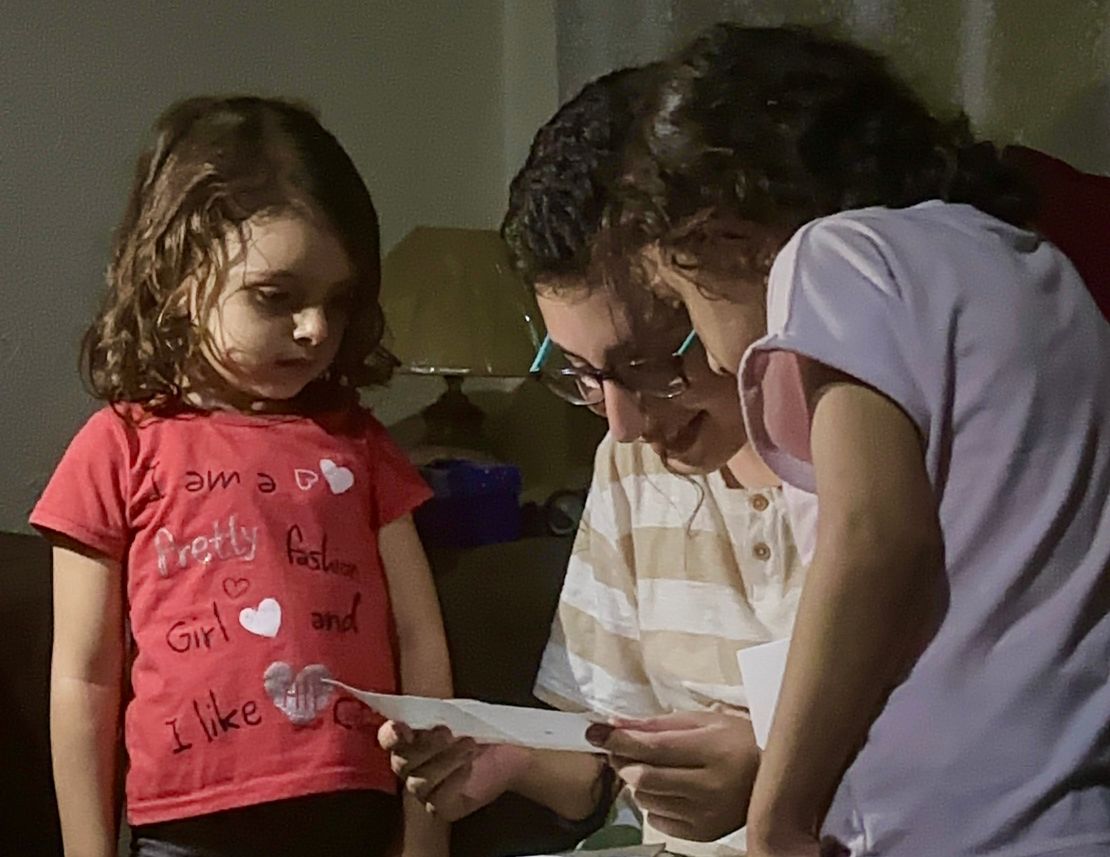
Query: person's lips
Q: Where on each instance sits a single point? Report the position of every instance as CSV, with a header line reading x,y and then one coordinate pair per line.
x,y
680,441
294,362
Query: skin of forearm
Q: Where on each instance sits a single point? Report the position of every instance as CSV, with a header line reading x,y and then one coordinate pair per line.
x,y
84,726
566,783
425,671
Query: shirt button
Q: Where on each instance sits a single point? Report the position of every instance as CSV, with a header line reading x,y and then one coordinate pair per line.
x,y
761,551
760,503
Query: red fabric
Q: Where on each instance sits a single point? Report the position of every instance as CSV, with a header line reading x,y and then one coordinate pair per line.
x,y
252,565
1074,215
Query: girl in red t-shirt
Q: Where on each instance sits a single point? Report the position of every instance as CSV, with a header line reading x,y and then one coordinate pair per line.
x,y
237,512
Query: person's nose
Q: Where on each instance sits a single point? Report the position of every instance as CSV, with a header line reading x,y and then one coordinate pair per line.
x,y
622,410
310,326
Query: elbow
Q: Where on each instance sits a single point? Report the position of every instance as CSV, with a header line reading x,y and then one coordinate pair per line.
x,y
871,538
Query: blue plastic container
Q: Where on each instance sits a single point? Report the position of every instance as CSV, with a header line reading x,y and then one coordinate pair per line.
x,y
475,503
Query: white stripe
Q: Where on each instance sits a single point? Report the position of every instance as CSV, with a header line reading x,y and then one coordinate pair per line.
x,y
697,607
566,675
607,604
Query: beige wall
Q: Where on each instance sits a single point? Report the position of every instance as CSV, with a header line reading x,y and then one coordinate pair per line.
x,y
1030,71
416,89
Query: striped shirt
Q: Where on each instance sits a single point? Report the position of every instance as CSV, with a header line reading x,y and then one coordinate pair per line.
x,y
669,578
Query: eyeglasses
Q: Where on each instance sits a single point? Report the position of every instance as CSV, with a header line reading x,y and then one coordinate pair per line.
x,y
655,377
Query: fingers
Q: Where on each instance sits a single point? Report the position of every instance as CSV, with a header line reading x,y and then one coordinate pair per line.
x,y
432,754
685,748
391,734
423,780
689,784
674,721
674,826
448,799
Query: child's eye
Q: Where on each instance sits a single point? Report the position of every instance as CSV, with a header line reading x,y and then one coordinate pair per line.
x,y
271,297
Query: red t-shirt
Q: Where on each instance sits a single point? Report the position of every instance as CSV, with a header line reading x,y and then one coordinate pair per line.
x,y
250,550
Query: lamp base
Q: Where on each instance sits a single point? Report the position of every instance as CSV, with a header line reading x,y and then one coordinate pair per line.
x,y
453,420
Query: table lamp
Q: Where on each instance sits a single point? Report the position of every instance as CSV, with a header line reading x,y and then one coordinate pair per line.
x,y
454,307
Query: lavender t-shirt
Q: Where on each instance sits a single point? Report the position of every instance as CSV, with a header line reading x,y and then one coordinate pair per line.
x,y
998,741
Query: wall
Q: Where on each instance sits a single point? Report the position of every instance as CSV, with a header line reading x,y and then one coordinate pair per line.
x,y
417,91
1029,71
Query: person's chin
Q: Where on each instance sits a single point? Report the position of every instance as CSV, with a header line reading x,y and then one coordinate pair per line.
x,y
685,466
277,391
684,449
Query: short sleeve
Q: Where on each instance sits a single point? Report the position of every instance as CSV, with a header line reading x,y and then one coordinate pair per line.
x,y
88,496
593,660
833,300
398,487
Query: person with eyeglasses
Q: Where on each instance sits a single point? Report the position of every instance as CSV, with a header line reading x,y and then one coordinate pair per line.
x,y
684,555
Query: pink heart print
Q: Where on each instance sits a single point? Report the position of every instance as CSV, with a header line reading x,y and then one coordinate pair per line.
x,y
300,696
236,586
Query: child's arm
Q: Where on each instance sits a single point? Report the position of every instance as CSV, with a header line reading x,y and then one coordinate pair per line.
x,y
85,680
863,609
425,669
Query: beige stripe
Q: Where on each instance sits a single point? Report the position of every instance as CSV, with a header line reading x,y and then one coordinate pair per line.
x,y
671,553
625,458
702,658
610,565
549,697
587,639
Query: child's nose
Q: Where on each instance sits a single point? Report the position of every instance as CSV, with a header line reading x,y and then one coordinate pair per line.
x,y
310,326
622,410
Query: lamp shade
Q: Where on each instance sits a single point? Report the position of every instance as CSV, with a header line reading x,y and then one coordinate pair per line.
x,y
454,306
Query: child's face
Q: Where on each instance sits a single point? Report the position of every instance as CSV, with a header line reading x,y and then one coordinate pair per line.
x,y
281,308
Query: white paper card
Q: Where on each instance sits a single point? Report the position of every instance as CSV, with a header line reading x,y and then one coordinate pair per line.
x,y
761,669
485,722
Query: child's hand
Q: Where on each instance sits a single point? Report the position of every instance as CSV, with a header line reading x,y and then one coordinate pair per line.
x,y
451,776
690,772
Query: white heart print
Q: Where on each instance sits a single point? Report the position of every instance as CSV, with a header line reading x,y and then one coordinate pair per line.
x,y
339,478
264,620
299,697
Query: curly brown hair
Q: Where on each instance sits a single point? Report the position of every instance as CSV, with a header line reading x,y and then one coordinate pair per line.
x,y
751,132
557,199
217,162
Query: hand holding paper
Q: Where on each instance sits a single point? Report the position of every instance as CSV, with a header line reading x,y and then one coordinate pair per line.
x,y
482,721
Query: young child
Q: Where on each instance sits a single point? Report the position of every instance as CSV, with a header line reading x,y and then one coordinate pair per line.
x,y
940,377
239,511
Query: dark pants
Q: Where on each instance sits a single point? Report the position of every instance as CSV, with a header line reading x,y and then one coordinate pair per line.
x,y
343,824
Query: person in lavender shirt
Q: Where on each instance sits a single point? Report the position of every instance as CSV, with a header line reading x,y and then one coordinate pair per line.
x,y
940,377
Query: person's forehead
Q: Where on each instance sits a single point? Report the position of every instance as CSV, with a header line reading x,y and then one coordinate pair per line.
x,y
595,325
583,321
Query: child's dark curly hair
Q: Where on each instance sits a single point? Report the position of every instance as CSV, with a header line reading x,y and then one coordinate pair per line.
x,y
759,130
557,198
215,164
